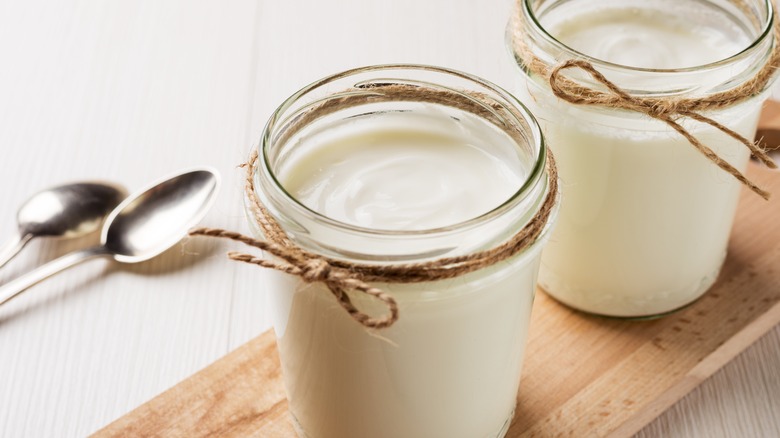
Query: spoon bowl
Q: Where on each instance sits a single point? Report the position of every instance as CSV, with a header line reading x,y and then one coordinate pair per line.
x,y
141,227
147,224
66,211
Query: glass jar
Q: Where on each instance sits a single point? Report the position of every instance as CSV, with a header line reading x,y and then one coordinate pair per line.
x,y
450,365
646,218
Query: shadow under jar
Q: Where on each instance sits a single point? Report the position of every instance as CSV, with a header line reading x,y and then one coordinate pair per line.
x,y
646,218
391,165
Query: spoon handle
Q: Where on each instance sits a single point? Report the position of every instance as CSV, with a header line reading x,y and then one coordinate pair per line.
x,y
12,247
19,285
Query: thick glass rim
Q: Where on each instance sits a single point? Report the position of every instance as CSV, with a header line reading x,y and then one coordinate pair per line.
x,y
535,135
528,11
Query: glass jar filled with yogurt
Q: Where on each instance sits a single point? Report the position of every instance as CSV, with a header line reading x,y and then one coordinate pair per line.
x,y
391,166
645,218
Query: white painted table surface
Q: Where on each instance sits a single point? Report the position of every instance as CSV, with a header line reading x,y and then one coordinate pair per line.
x,y
130,91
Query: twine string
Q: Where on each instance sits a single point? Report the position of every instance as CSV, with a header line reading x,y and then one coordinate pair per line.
x,y
667,110
341,276
311,270
663,113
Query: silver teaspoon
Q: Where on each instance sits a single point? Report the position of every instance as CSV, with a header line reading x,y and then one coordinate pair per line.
x,y
141,227
70,210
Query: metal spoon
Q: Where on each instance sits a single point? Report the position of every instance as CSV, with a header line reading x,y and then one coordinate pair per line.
x,y
141,227
70,210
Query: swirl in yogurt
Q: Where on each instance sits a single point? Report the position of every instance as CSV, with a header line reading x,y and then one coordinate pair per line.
x,y
408,177
643,38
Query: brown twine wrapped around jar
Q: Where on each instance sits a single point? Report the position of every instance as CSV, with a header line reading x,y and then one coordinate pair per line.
x,y
665,109
341,276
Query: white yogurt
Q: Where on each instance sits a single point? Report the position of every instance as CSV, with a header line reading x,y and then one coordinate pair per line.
x,y
645,218
450,366
645,38
401,179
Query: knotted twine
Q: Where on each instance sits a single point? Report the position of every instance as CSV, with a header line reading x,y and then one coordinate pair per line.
x,y
666,109
341,276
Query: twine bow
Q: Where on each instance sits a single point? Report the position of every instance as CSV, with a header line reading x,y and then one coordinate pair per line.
x,y
663,110
311,269
667,110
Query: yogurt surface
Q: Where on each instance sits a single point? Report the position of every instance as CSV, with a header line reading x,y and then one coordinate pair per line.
x,y
645,38
408,177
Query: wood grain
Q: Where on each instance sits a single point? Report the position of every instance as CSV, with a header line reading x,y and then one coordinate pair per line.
x,y
238,396
583,375
768,135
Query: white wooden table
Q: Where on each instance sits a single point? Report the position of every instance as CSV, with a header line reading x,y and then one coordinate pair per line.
x,y
130,91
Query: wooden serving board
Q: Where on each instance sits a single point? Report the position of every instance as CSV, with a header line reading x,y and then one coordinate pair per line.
x,y
583,375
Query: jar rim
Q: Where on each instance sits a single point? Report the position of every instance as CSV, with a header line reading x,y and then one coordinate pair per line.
x,y
527,7
536,141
